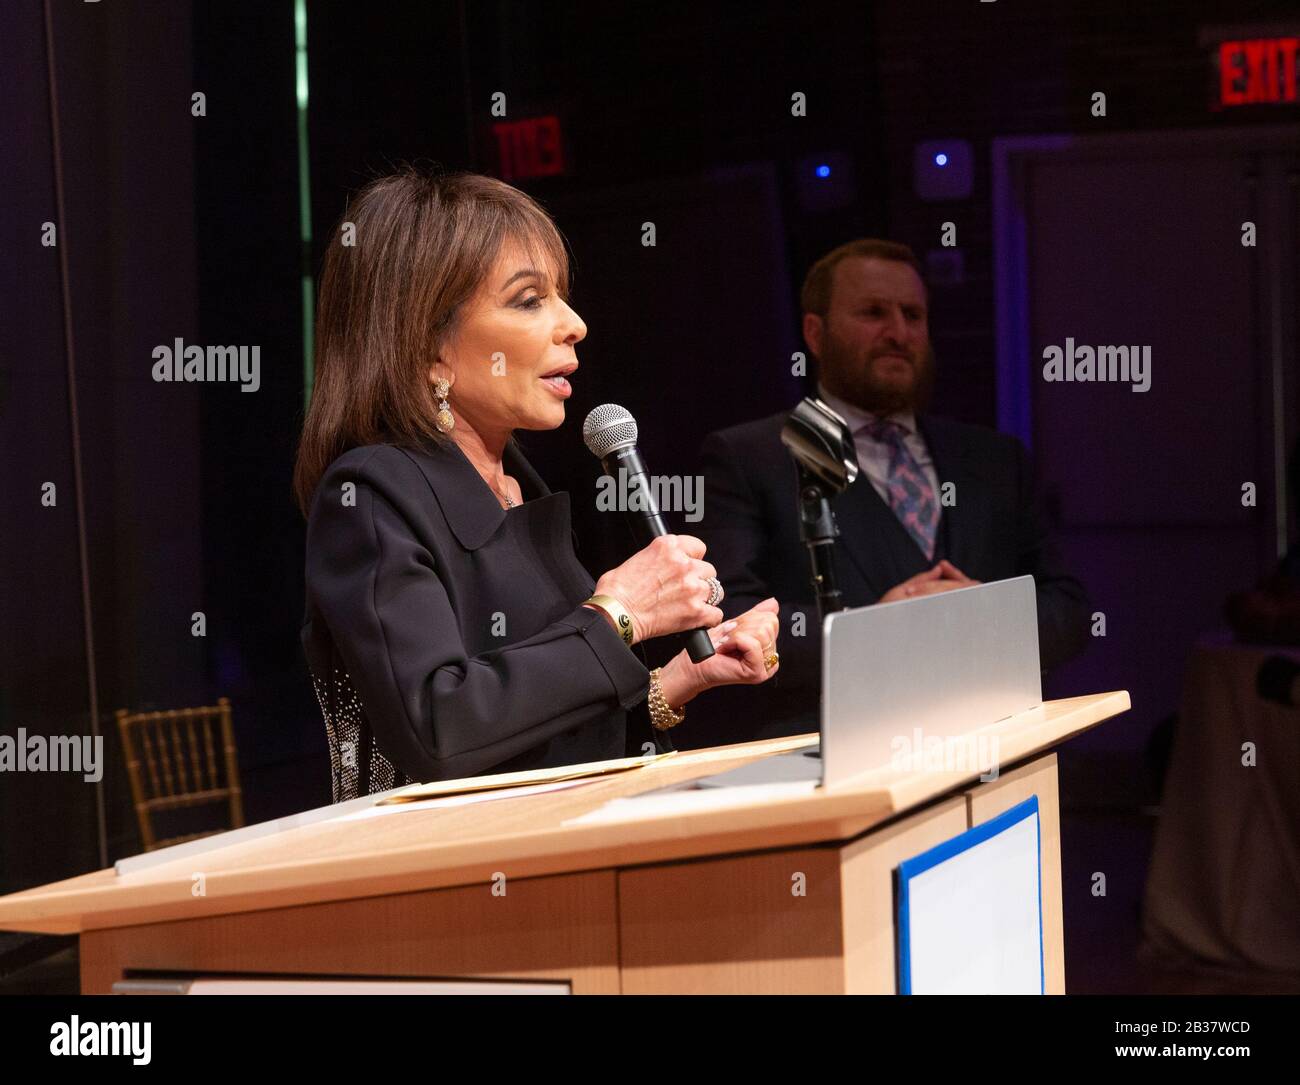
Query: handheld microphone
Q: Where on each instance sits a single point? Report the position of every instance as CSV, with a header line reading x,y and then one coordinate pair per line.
x,y
610,434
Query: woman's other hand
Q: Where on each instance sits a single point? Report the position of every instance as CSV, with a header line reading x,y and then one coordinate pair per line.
x,y
741,648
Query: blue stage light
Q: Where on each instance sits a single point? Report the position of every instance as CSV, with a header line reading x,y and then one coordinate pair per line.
x,y
941,159
823,171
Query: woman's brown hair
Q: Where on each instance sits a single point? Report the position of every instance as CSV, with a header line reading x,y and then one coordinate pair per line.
x,y
420,245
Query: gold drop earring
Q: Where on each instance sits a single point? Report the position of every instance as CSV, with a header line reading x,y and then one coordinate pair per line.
x,y
444,419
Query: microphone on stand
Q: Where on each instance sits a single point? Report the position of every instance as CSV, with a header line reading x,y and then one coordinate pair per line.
x,y
822,447
610,434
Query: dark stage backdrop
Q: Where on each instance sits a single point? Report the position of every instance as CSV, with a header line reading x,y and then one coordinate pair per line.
x,y
128,235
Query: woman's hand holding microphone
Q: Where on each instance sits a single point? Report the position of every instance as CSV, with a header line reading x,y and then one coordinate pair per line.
x,y
665,589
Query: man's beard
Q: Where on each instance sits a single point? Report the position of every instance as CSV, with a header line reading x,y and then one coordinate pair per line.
x,y
844,376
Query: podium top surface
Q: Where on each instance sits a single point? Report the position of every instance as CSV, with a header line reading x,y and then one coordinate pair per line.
x,y
413,847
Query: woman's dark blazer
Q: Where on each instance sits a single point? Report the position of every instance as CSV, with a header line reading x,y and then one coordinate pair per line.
x,y
445,634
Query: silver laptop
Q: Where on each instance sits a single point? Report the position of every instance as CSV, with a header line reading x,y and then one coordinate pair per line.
x,y
935,667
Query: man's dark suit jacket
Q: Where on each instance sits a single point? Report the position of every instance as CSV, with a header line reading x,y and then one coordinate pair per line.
x,y
445,634
750,525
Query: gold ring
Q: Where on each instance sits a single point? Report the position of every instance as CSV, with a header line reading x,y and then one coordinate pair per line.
x,y
771,659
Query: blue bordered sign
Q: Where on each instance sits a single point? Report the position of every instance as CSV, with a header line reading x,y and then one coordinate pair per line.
x,y
971,909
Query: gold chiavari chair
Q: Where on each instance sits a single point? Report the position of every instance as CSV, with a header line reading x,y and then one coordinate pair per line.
x,y
174,762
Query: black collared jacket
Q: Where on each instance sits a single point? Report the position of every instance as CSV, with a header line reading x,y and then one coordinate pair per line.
x,y
445,635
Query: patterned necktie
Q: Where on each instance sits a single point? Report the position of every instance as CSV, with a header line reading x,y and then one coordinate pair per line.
x,y
911,497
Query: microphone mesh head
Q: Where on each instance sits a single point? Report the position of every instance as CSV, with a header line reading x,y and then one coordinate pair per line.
x,y
609,427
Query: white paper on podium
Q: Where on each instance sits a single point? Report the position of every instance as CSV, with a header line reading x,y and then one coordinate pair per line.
x,y
467,799
970,917
686,799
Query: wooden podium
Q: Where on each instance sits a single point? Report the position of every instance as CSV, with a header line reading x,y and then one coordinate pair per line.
x,y
669,902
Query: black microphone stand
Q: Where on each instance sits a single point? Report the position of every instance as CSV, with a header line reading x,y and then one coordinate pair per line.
x,y
818,530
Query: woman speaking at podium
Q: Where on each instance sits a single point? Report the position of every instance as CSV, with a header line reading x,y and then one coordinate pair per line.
x,y
450,628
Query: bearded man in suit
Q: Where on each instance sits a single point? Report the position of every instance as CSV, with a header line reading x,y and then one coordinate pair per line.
x,y
937,504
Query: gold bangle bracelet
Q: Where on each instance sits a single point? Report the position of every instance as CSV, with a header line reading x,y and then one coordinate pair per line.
x,y
662,716
617,612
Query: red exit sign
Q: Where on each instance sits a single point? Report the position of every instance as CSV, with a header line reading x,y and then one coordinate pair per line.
x,y
1261,71
531,147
